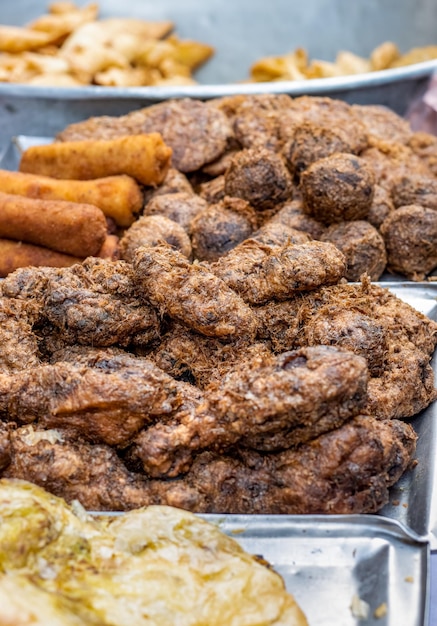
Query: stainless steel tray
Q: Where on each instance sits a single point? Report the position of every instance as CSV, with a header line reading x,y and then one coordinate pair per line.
x,y
340,568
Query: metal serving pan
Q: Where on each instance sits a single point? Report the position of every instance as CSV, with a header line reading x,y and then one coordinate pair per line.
x,y
241,32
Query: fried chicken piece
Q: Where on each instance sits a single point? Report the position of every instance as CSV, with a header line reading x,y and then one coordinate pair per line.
x,y
260,177
258,272
362,245
151,230
108,402
383,123
381,207
181,207
410,237
174,182
415,189
91,474
271,402
405,387
337,188
197,134
95,303
18,344
212,191
312,141
291,214
192,294
220,227
348,470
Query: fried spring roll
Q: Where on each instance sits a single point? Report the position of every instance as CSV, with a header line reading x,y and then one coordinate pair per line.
x,y
119,197
15,254
144,157
68,227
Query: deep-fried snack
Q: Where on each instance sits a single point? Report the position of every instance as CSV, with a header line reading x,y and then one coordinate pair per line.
x,y
220,165
75,229
191,294
119,197
362,245
337,188
257,120
174,182
270,403
96,303
18,344
144,157
150,230
213,190
277,234
220,227
410,236
179,206
259,272
110,249
17,39
383,123
415,189
259,176
382,206
424,145
197,134
292,215
15,254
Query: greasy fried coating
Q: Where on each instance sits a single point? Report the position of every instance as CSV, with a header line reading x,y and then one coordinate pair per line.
x,y
424,145
106,403
271,403
276,234
150,230
337,188
348,470
220,227
15,255
410,236
292,215
191,294
256,121
95,303
383,123
27,283
260,177
259,272
405,387
362,245
212,191
197,134
312,142
179,206
68,227
381,207
91,474
18,344
145,157
119,197
415,189
174,182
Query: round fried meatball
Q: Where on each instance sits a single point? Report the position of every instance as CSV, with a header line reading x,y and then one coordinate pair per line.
x,y
151,230
277,234
292,215
362,245
220,227
338,188
349,330
260,177
312,142
174,182
381,208
213,190
180,207
410,236
415,189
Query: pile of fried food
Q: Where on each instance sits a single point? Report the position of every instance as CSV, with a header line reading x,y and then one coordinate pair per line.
x,y
157,565
70,47
224,363
297,65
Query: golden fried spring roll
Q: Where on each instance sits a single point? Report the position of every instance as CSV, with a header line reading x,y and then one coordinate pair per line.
x,y
144,157
68,227
15,254
119,197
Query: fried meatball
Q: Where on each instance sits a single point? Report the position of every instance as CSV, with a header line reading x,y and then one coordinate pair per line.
x,y
213,190
383,123
174,182
220,227
277,234
180,207
424,146
260,177
362,245
382,206
150,230
338,188
257,121
291,214
415,189
410,236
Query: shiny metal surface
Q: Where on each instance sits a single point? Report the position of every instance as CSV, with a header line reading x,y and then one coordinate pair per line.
x,y
241,33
